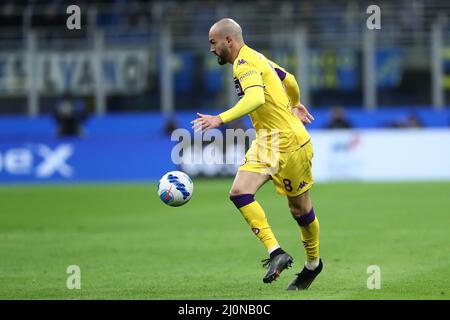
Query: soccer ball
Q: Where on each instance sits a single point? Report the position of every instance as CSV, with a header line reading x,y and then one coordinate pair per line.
x,y
175,188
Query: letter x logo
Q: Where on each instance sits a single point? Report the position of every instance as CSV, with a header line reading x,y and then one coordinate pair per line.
x,y
54,161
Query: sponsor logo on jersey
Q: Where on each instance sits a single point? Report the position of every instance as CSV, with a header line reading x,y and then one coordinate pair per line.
x,y
248,73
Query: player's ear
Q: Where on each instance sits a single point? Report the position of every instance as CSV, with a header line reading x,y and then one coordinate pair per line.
x,y
229,40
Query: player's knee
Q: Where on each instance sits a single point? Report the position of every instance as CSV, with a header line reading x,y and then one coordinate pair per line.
x,y
294,211
298,210
235,192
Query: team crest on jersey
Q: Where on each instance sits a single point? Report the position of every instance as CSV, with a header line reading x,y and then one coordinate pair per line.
x,y
241,61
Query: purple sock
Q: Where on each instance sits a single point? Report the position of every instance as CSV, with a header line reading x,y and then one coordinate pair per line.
x,y
241,200
305,219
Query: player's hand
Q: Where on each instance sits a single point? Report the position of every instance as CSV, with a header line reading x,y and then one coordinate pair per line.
x,y
205,122
302,113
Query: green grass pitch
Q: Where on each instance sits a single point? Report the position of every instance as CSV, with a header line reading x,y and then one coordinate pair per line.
x,y
129,245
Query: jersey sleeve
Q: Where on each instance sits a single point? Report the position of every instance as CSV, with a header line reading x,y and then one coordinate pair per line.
x,y
253,99
281,72
250,89
248,75
290,83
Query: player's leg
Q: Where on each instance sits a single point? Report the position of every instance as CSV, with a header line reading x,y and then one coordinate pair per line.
x,y
295,180
242,193
303,212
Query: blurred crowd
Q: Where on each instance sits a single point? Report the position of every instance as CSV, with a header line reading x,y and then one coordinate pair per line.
x,y
322,16
338,119
262,17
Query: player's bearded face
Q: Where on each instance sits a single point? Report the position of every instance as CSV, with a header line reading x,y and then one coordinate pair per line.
x,y
222,55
